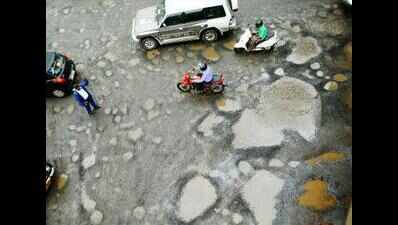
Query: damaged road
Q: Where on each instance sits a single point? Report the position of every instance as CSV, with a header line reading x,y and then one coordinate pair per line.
x,y
267,152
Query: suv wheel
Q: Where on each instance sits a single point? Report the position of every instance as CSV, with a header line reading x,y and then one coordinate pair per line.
x,y
210,35
59,93
149,43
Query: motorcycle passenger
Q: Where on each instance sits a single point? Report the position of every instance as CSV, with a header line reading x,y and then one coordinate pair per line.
x,y
205,76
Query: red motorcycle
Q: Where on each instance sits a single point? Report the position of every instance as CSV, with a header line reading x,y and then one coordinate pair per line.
x,y
187,84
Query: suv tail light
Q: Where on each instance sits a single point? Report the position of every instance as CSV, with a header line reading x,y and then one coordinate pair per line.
x,y
234,5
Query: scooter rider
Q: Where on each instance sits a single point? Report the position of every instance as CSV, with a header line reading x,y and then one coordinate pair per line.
x,y
260,35
205,76
262,31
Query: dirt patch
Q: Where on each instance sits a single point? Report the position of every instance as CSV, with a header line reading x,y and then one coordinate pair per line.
x,y
326,157
220,102
340,77
210,54
348,52
229,45
347,99
150,55
197,46
316,196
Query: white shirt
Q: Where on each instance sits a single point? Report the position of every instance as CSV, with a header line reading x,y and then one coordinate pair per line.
x,y
207,76
82,93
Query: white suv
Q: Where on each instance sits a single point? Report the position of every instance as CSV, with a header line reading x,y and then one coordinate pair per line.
x,y
174,21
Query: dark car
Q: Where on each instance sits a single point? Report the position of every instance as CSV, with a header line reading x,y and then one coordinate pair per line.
x,y
50,170
60,75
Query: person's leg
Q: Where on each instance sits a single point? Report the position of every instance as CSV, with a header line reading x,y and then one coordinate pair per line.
x,y
206,85
252,42
259,41
92,102
198,87
201,86
88,108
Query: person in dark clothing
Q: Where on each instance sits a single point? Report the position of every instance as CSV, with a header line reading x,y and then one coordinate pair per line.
x,y
84,97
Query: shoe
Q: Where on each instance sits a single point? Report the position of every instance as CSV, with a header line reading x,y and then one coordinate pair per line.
x,y
91,113
98,107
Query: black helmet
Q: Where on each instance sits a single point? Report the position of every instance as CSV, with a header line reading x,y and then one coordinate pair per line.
x,y
259,23
202,66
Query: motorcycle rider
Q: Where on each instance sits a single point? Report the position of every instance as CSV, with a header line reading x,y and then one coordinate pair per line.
x,y
205,76
260,35
262,30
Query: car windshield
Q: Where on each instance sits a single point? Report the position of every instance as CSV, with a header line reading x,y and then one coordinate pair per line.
x,y
160,11
50,57
57,66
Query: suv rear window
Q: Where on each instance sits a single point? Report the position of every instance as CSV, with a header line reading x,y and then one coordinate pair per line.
x,y
214,12
193,16
173,20
207,13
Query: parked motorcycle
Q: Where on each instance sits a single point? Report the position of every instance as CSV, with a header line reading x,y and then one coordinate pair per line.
x,y
187,85
241,45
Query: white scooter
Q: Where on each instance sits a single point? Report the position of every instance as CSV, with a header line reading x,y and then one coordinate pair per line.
x,y
266,45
